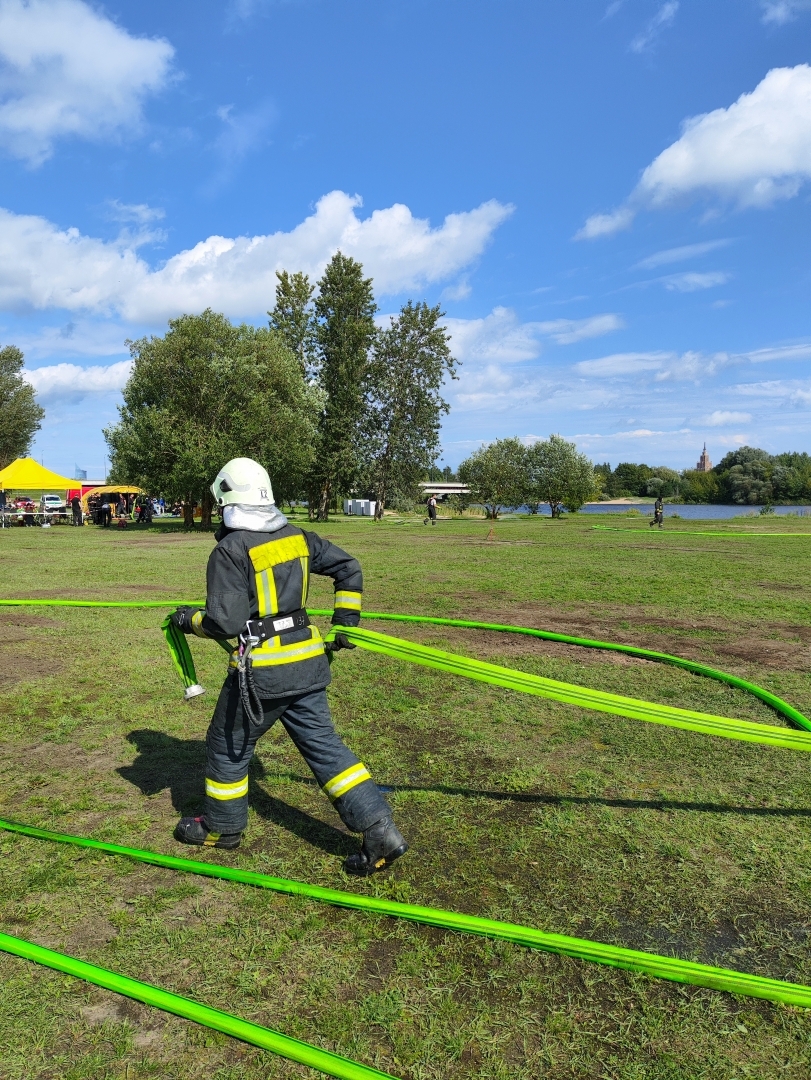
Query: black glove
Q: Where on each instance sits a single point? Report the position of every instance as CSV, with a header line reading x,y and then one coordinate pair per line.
x,y
182,618
340,641
345,617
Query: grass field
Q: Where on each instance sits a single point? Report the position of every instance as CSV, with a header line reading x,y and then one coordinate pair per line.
x,y
515,808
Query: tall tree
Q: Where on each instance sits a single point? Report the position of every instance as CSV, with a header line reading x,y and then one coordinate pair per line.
x,y
496,475
206,392
409,364
345,310
559,475
294,318
20,415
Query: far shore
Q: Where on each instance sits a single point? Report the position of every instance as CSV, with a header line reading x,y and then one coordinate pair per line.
x,y
620,502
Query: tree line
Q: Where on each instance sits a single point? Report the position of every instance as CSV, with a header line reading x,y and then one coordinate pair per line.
x,y
328,401
747,476
508,473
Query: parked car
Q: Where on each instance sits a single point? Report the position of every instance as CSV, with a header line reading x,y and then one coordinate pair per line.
x,y
51,504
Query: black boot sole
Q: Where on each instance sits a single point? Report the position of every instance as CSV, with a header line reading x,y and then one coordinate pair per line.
x,y
367,869
223,843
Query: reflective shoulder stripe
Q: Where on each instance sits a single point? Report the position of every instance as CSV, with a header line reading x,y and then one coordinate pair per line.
x,y
217,790
346,599
345,781
197,624
274,552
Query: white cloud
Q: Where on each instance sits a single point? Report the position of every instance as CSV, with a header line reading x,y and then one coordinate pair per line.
x,y
691,281
501,338
792,391
665,366
752,153
637,433
59,380
460,291
67,70
783,352
679,254
661,21
755,151
783,11
138,213
623,364
42,266
605,224
721,418
497,338
568,331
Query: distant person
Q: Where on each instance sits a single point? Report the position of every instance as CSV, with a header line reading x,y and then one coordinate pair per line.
x,y
431,511
106,512
161,505
76,507
658,512
144,513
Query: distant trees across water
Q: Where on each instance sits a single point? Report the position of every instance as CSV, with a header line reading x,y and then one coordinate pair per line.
x,y
746,476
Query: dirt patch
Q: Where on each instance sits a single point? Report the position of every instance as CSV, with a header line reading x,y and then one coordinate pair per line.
x,y
749,644
22,664
14,617
767,653
91,933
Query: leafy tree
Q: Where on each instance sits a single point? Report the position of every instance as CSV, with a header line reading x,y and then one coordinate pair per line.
x,y
700,487
559,475
20,415
345,310
293,317
206,392
443,475
404,379
496,475
628,479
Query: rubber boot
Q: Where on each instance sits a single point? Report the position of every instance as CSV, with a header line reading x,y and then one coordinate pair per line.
x,y
195,830
382,844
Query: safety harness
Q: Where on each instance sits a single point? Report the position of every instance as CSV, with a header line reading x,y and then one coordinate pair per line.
x,y
256,631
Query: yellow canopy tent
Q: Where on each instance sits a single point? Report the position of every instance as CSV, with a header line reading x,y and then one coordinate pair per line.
x,y
110,489
25,474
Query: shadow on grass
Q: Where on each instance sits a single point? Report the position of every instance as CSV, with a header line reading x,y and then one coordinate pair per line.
x,y
178,764
580,800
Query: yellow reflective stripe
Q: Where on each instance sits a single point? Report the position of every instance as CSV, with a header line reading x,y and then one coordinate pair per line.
x,y
226,791
302,652
305,578
345,781
266,593
278,551
197,624
348,599
271,653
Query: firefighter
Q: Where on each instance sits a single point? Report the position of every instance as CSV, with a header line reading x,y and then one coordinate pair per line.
x,y
658,512
256,590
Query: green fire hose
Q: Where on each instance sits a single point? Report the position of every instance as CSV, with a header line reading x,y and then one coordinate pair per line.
x,y
510,679
697,532
663,967
648,963
293,1049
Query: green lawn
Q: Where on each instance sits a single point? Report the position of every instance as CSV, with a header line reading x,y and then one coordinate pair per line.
x,y
515,807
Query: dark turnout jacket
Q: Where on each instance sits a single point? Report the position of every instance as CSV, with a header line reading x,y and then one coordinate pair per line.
x,y
254,574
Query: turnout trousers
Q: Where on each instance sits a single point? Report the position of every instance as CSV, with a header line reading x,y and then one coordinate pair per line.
x,y
231,741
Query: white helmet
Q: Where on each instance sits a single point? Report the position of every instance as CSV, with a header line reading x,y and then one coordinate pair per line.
x,y
242,481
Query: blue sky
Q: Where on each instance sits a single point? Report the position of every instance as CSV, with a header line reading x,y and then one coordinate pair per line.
x,y
610,200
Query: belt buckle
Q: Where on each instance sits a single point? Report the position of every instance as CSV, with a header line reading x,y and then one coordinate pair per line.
x,y
253,633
